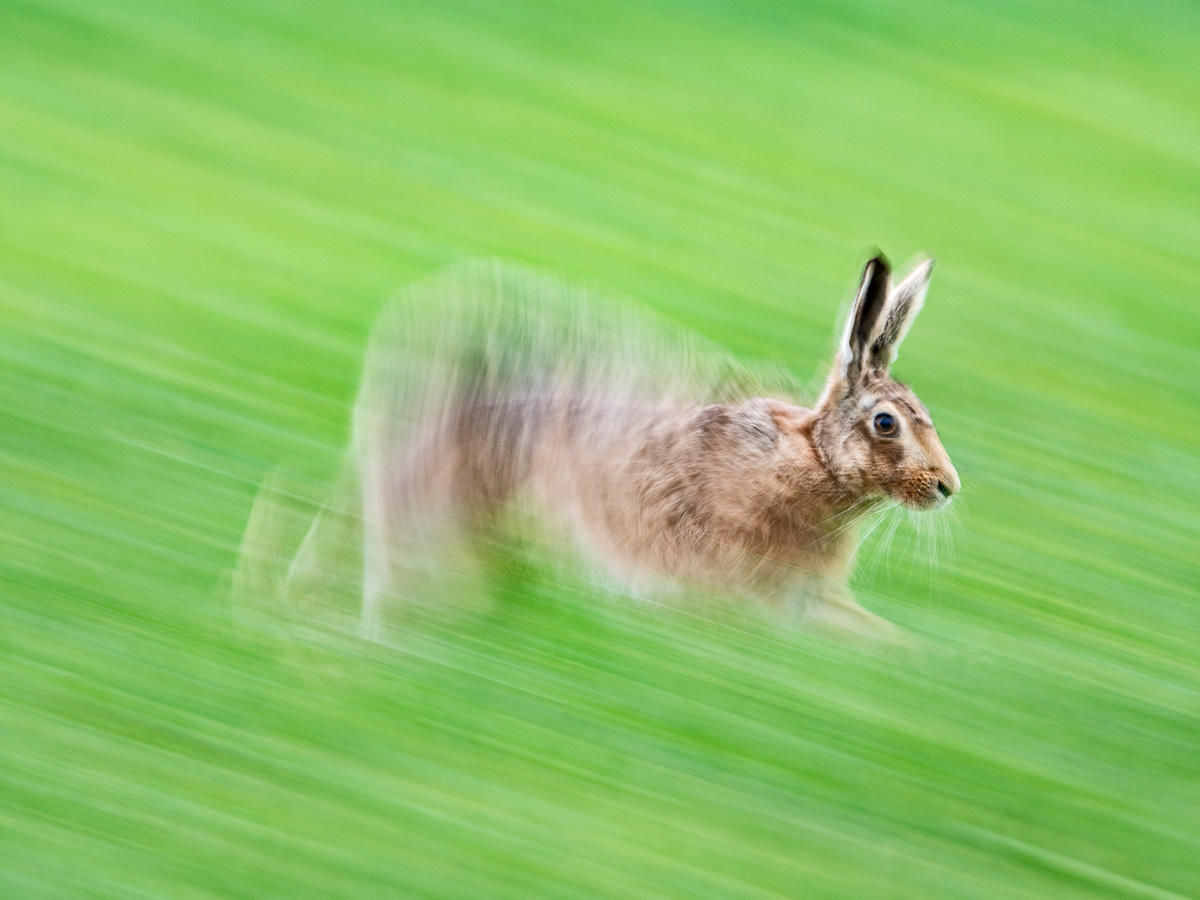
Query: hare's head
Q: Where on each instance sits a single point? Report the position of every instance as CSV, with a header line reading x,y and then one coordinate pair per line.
x,y
873,434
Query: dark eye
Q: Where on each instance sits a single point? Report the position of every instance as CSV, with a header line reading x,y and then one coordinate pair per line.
x,y
885,423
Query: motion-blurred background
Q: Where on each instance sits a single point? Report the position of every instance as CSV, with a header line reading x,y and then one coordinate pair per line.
x,y
203,206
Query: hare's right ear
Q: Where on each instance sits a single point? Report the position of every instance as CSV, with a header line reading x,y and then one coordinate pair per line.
x,y
903,304
853,356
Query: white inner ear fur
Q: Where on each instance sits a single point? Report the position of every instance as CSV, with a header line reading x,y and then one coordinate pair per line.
x,y
876,269
904,302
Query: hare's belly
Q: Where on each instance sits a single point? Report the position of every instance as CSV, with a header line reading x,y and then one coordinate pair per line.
x,y
649,551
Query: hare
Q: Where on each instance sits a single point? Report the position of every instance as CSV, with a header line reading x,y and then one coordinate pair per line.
x,y
747,495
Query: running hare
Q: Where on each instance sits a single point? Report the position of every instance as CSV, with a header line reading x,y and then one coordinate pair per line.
x,y
668,472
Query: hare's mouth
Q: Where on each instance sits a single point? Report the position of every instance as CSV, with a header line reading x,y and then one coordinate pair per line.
x,y
926,504
925,497
941,497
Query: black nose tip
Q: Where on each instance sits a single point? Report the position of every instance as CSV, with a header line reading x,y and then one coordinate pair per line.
x,y
944,489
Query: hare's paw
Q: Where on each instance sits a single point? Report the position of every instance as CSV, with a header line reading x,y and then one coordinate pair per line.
x,y
844,620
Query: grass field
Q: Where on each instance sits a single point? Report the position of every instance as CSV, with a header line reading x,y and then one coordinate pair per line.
x,y
205,204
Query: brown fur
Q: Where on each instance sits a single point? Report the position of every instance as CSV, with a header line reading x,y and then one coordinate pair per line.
x,y
755,497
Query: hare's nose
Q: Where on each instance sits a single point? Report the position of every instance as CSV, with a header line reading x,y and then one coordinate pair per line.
x,y
948,483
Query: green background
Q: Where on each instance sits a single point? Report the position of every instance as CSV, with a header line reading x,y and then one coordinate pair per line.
x,y
202,208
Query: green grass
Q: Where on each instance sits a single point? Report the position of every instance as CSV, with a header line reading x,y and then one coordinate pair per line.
x,y
205,205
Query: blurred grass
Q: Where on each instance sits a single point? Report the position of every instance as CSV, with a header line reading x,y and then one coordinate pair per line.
x,y
204,206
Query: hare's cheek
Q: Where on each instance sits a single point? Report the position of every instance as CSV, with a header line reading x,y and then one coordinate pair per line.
x,y
886,465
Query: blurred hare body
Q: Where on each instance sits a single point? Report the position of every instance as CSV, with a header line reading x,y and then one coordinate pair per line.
x,y
751,496
719,495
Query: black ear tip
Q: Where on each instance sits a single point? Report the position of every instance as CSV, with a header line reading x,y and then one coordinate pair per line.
x,y
879,262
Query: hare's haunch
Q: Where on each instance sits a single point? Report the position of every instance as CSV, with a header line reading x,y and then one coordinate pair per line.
x,y
490,385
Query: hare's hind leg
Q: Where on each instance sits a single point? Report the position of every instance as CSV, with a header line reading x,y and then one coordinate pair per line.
x,y
375,578
376,563
377,496
411,516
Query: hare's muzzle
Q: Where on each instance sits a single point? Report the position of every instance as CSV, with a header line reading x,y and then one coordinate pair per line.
x,y
947,485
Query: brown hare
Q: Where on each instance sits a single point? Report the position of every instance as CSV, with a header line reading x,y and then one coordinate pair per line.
x,y
667,472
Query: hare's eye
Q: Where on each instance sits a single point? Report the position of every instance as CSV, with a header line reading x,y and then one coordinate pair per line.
x,y
885,423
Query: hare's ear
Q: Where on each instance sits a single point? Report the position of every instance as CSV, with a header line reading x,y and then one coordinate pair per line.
x,y
869,303
903,303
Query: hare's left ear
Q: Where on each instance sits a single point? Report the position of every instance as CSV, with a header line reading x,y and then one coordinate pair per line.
x,y
903,303
869,304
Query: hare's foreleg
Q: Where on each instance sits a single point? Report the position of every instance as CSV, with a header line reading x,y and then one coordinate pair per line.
x,y
833,610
